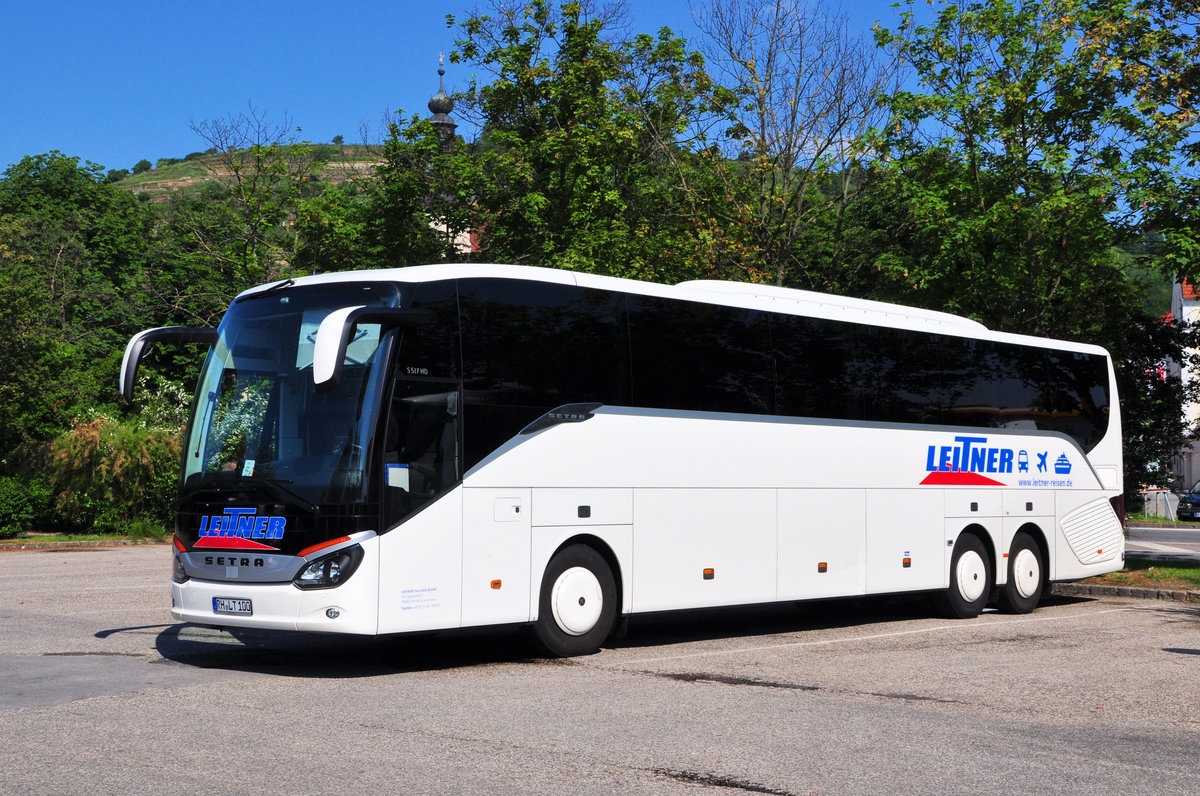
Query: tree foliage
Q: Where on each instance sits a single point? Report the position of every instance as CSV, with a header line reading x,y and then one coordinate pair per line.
x,y
581,161
1033,152
1039,160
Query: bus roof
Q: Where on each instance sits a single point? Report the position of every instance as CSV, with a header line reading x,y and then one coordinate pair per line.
x,y
768,298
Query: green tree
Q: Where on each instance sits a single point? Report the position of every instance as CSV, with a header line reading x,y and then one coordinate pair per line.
x,y
580,161
423,198
263,172
330,232
802,91
1018,168
74,251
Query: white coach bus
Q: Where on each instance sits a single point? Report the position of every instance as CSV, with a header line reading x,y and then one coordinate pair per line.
x,y
450,446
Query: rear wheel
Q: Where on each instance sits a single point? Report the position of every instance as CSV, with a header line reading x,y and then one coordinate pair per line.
x,y
1026,576
578,604
970,580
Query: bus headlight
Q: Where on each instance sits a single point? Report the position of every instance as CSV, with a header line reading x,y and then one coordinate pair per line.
x,y
329,571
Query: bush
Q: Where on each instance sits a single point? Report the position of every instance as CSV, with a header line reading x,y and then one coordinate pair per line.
x,y
144,528
110,474
16,507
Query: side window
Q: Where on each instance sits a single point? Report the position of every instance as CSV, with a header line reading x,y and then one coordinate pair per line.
x,y
529,347
703,357
1083,378
431,349
421,449
902,382
819,368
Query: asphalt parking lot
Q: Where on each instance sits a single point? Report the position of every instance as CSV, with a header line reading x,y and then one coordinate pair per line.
x,y
101,692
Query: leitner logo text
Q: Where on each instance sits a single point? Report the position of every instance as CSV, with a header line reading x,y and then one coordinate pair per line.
x,y
238,527
966,462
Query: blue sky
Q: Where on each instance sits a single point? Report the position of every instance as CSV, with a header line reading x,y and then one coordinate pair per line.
x,y
117,81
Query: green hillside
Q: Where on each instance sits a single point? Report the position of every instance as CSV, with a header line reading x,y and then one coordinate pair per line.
x,y
337,163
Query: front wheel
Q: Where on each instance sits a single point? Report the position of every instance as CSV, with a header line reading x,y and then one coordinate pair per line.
x,y
1026,576
970,580
578,604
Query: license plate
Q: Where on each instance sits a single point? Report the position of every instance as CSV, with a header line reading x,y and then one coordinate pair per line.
x,y
232,605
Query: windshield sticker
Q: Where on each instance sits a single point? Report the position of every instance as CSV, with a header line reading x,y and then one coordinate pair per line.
x,y
238,528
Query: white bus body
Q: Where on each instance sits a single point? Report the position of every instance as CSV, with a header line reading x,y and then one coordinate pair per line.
x,y
578,513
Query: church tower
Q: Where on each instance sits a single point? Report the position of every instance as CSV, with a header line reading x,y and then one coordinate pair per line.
x,y
440,105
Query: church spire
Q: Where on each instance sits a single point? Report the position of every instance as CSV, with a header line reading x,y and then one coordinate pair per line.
x,y
440,105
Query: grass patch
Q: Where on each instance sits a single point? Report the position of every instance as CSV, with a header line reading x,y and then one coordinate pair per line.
x,y
1144,573
136,531
42,538
1142,519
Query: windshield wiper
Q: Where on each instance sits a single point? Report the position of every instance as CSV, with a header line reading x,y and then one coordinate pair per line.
x,y
276,485
217,484
265,292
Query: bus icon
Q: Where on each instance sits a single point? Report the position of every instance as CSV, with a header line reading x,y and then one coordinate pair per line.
x,y
1022,462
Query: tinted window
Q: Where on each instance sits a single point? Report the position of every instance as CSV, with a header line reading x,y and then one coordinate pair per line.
x,y
820,368
901,381
704,357
999,385
529,347
431,349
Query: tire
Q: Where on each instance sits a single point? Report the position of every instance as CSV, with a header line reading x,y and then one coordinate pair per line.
x,y
1026,576
970,580
577,608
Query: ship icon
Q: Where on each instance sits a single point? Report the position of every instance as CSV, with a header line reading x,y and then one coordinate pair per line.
x,y
1062,465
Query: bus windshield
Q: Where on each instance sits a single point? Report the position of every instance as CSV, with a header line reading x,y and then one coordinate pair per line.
x,y
257,418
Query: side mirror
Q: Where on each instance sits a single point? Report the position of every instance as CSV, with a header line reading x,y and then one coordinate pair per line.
x,y
337,330
139,346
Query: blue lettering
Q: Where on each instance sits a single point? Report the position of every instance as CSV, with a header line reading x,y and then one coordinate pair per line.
x,y
244,523
966,450
969,454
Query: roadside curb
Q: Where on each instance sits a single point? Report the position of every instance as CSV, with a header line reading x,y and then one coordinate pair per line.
x,y
1093,590
97,544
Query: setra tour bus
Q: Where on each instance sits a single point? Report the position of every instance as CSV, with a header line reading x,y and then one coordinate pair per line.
x,y
448,446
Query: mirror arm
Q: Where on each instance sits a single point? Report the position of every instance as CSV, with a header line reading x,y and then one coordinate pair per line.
x,y
140,343
337,330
